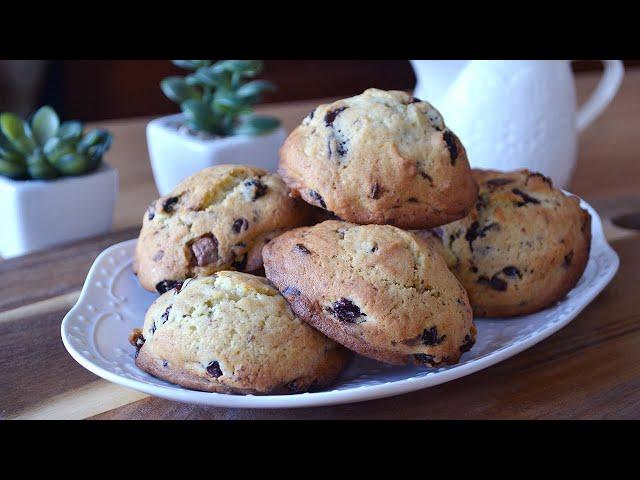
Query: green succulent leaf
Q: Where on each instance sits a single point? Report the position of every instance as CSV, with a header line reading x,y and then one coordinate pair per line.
x,y
94,138
6,145
94,146
17,132
44,125
200,116
94,155
71,130
12,126
51,146
207,77
72,164
247,68
10,155
178,90
236,80
192,80
13,163
24,145
191,64
257,126
56,147
242,111
16,170
227,100
254,89
38,166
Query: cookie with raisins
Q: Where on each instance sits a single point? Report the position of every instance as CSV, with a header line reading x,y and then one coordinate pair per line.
x,y
382,157
375,289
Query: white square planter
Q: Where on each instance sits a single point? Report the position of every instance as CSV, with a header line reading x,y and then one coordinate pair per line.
x,y
175,155
37,214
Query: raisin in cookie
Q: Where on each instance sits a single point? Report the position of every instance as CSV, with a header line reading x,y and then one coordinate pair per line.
x,y
523,247
217,219
380,157
376,289
234,333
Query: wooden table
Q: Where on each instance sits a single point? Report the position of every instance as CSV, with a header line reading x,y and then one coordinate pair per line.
x,y
590,369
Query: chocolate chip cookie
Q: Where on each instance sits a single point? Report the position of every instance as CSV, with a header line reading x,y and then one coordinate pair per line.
x,y
382,157
523,247
234,333
376,289
217,219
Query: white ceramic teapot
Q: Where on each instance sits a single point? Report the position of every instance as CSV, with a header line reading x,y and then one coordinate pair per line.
x,y
513,114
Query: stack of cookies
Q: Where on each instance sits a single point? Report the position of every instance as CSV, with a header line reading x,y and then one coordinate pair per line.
x,y
376,238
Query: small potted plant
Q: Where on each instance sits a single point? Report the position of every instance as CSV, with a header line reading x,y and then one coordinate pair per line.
x,y
216,124
54,186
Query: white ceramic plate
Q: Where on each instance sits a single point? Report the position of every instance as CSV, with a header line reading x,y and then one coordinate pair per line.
x,y
112,303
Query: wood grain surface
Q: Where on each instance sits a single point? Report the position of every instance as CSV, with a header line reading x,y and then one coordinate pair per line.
x,y
590,369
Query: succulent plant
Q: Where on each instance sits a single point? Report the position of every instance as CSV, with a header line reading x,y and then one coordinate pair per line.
x,y
43,149
217,98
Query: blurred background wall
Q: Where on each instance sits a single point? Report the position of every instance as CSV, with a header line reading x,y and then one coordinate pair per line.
x,y
93,90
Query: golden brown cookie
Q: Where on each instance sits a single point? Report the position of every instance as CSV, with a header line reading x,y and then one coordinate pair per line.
x,y
217,219
376,289
523,247
234,333
381,157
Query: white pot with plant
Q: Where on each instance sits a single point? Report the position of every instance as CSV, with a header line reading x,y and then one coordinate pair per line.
x,y
54,186
216,125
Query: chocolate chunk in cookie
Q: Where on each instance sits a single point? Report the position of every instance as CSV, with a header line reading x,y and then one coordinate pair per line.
x,y
165,316
526,198
425,359
169,204
166,285
567,259
346,311
239,225
213,369
494,282
317,199
499,182
205,250
450,140
300,248
511,271
376,191
430,336
331,115
469,341
255,189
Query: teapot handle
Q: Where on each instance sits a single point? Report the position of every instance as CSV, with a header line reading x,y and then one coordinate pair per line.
x,y
603,94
